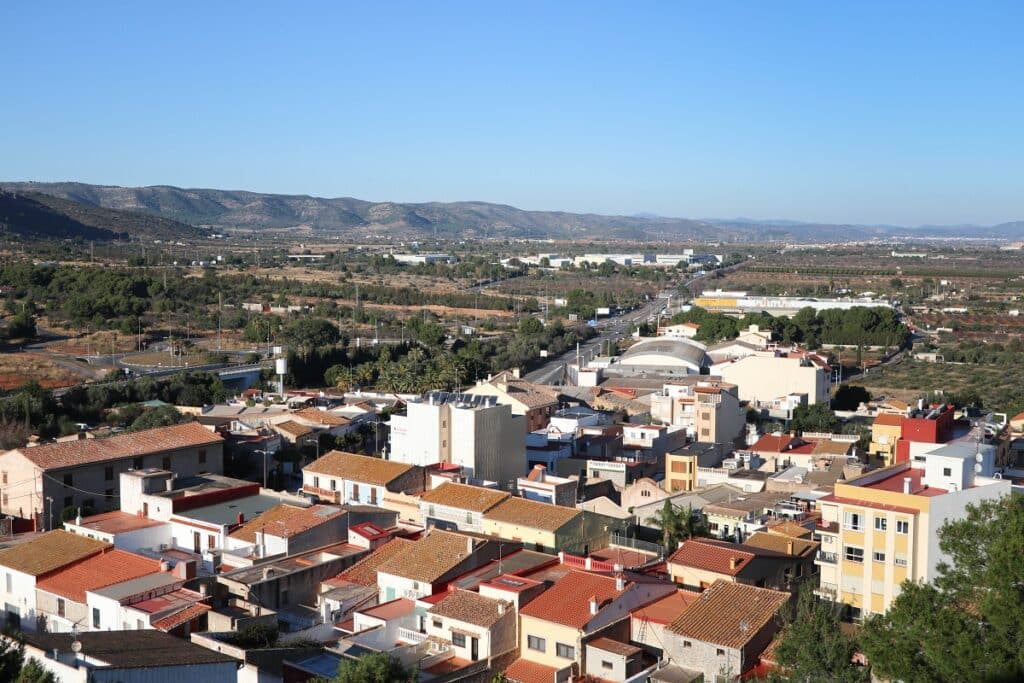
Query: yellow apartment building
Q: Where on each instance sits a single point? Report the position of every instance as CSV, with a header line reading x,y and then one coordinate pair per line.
x,y
881,529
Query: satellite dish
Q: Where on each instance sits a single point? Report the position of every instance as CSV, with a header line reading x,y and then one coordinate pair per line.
x,y
76,646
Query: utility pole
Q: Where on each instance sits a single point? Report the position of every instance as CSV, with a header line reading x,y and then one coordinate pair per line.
x,y
50,525
219,328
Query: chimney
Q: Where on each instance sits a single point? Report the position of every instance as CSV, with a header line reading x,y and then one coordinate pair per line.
x,y
78,517
734,562
593,605
259,544
789,547
165,566
241,518
469,545
501,608
906,484
204,589
620,583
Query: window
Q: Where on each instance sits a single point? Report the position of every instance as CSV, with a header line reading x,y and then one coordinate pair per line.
x,y
4,476
334,484
316,482
720,652
645,494
902,526
881,523
138,625
946,472
137,464
687,643
108,473
853,553
565,651
536,643
60,607
677,466
606,665
430,510
469,518
415,585
705,432
878,557
355,491
68,480
437,623
202,456
458,639
211,541
95,617
853,521
900,560
166,462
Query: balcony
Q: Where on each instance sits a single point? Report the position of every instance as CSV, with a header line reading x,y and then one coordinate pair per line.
x,y
325,495
411,636
825,558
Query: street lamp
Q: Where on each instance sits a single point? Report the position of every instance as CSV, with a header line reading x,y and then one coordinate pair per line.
x,y
264,453
50,501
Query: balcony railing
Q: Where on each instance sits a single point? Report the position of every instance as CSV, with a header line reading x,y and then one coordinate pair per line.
x,y
323,494
829,558
411,636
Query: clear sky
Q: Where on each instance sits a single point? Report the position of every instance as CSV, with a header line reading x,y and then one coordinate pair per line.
x,y
901,113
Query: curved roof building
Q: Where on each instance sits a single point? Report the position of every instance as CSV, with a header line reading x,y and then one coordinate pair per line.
x,y
676,355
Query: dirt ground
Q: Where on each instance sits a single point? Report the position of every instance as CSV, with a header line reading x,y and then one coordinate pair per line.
x,y
18,368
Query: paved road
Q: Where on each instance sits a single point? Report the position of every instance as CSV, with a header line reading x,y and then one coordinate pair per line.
x,y
609,329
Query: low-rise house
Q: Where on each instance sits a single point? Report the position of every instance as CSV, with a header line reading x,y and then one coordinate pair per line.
x,y
549,528
614,660
578,608
537,402
459,506
547,488
45,480
682,464
63,596
339,477
25,564
424,567
122,530
648,623
770,561
477,627
289,529
739,517
295,433
722,634
127,657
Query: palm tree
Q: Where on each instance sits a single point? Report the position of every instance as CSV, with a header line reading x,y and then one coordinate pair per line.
x,y
346,379
677,524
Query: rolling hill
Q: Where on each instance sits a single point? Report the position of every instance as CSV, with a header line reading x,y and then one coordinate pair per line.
x,y
241,211
34,215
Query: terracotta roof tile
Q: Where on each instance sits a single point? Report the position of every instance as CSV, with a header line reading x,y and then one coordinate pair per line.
x,y
361,468
729,614
293,428
431,557
49,552
180,617
532,514
471,607
364,571
464,497
668,608
726,558
86,451
830,447
525,671
285,521
614,646
773,443
321,417
529,394
802,547
567,602
888,419
99,571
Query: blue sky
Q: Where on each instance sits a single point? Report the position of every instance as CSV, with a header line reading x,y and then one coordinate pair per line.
x,y
865,112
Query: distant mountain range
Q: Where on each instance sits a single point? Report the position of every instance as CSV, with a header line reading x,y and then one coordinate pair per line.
x,y
187,210
35,215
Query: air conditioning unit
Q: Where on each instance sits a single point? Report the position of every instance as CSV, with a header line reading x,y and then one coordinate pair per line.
x,y
164,546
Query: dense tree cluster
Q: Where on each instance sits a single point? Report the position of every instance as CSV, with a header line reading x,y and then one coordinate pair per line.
x,y
857,326
967,624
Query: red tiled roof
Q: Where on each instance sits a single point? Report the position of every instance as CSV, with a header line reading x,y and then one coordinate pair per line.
x,y
889,419
285,521
398,607
729,614
180,617
667,609
364,571
525,671
99,571
709,556
117,522
773,443
567,602
88,451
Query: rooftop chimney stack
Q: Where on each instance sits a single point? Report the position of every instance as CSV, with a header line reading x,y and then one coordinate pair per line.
x,y
789,547
734,562
620,583
906,484
593,605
